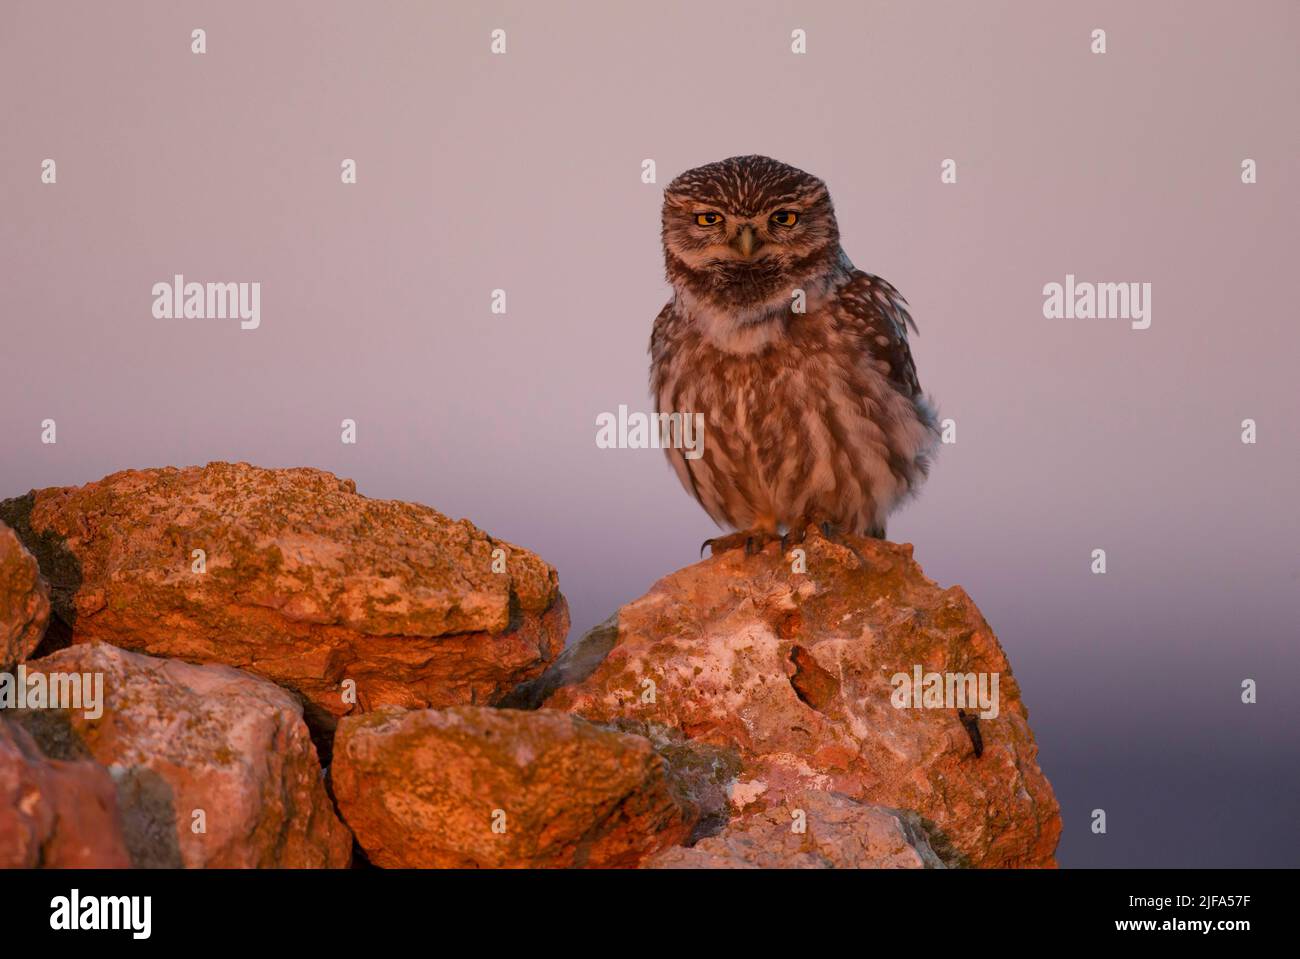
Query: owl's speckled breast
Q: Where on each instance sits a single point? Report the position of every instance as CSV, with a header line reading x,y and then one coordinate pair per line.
x,y
808,428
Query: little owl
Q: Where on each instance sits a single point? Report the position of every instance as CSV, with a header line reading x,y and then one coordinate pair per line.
x,y
799,363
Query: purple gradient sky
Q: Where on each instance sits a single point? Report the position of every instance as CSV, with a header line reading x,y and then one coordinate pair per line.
x,y
522,171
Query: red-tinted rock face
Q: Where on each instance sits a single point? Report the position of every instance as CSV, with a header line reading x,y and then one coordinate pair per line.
x,y
24,601
811,830
470,786
354,603
214,767
55,814
794,671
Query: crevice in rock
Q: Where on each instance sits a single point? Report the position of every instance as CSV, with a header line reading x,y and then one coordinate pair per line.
x,y
59,566
572,666
815,686
58,635
971,722
942,845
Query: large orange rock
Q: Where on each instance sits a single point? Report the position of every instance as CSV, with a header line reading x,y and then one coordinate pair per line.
x,y
795,672
53,813
811,830
214,767
303,581
479,787
24,601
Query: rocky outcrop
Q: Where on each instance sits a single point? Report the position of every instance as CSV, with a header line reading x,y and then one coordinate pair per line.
x,y
213,767
477,787
291,574
797,672
812,830
826,708
55,814
24,601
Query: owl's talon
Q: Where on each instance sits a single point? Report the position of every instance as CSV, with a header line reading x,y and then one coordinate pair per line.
x,y
752,541
720,544
793,537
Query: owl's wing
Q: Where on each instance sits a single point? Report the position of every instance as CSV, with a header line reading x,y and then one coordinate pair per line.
x,y
879,317
662,338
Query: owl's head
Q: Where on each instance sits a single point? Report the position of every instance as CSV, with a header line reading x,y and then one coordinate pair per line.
x,y
742,234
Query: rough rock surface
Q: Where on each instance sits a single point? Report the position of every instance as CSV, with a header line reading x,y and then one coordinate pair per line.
x,y
55,814
703,773
838,833
425,788
179,738
793,670
24,601
307,583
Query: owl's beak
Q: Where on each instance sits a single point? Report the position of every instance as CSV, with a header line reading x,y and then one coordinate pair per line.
x,y
744,243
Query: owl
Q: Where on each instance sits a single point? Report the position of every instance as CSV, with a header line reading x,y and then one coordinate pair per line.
x,y
798,362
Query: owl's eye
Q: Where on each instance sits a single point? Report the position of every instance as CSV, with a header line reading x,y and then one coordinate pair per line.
x,y
785,218
708,219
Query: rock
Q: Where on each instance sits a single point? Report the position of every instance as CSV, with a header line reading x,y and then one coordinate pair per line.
x,y
702,772
424,788
794,670
838,833
180,738
55,814
24,601
307,583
